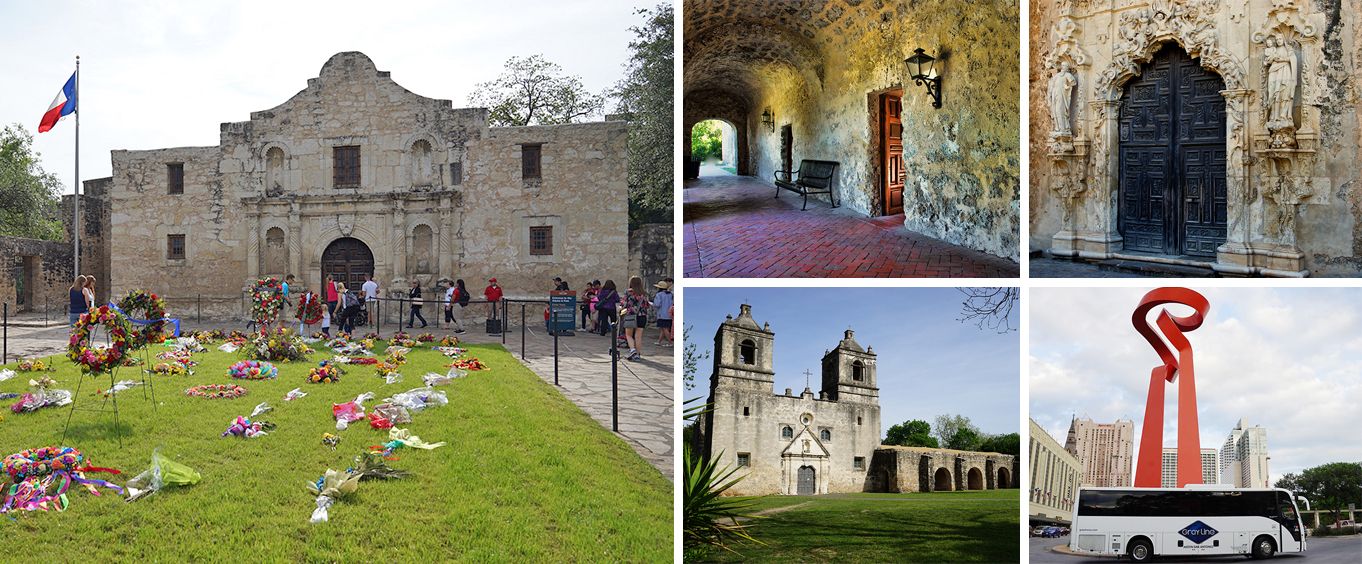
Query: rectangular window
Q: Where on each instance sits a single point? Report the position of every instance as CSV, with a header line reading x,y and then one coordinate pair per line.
x,y
175,247
346,166
541,240
529,162
175,178
744,459
858,463
456,173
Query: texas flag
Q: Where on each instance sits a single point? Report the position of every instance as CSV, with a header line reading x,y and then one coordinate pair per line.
x,y
63,105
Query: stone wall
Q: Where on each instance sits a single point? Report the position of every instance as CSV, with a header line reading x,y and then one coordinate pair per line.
x,y
440,196
95,248
915,469
650,252
1292,193
42,269
700,106
962,159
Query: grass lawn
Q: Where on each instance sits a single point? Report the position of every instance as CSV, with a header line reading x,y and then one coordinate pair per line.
x,y
526,476
975,526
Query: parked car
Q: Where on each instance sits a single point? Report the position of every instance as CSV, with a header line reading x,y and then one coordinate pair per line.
x,y
1051,532
1038,530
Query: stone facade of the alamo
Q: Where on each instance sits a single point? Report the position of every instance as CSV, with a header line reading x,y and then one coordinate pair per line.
x,y
357,174
1220,134
829,443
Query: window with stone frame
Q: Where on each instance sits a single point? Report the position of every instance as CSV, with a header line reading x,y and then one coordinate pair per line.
x,y
530,160
858,463
825,435
541,240
174,178
175,247
744,459
345,166
786,432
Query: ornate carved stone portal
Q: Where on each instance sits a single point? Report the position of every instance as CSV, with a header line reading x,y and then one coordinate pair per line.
x,y
1252,81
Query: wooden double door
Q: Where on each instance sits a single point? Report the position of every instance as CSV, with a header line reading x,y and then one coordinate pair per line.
x,y
347,260
1172,158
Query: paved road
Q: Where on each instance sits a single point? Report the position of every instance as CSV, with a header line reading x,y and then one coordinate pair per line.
x,y
1320,550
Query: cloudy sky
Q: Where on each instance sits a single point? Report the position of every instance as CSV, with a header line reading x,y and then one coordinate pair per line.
x,y
929,363
1287,359
165,74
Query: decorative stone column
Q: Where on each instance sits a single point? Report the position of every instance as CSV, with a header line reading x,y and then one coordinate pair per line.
x,y
252,241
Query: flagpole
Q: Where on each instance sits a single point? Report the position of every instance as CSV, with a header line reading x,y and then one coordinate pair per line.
x,y
76,223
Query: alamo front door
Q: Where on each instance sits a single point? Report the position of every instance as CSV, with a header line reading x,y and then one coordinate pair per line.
x,y
1172,158
808,485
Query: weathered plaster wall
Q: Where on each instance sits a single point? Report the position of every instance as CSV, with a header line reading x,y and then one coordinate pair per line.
x,y
650,252
962,159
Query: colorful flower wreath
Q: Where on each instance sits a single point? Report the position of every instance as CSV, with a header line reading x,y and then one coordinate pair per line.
x,y
281,345
41,462
470,363
151,308
34,365
253,370
425,337
97,360
449,341
325,372
309,309
180,356
267,299
216,391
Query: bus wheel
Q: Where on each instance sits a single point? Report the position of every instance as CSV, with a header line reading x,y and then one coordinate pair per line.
x,y
1263,547
1139,550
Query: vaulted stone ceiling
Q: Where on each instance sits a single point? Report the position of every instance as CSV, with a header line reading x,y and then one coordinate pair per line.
x,y
739,47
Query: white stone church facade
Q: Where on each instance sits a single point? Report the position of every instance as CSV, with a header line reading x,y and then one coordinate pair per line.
x,y
356,174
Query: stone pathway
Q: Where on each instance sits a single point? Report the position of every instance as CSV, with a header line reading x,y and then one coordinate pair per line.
x,y
645,387
735,227
1061,268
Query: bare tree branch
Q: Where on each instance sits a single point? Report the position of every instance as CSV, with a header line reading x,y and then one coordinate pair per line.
x,y
990,308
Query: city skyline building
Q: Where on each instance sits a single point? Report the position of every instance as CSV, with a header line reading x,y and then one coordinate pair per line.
x,y
1105,450
1055,477
1244,458
1210,467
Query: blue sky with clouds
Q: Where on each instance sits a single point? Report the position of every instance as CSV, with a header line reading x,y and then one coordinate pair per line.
x,y
160,74
929,363
1289,359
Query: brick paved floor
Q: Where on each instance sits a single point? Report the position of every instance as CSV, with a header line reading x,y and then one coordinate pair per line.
x,y
735,227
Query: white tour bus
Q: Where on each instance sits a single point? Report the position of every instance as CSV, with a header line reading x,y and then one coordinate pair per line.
x,y
1146,522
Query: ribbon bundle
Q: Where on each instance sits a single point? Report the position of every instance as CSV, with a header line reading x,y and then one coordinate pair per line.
x,y
42,477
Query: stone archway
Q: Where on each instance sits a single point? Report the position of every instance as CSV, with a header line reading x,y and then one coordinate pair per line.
x,y
942,481
347,260
975,479
1004,478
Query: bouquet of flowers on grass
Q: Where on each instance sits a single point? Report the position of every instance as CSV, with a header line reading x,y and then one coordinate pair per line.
x,y
212,336
326,372
132,361
170,369
425,338
335,484
400,335
253,370
449,341
366,344
42,396
243,427
386,368
216,391
468,363
35,365
371,335
182,357
281,345
363,360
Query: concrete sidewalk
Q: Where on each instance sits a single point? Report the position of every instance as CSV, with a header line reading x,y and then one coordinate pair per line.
x,y
646,401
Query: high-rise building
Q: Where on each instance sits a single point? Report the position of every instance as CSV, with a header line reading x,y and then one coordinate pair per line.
x,y
1055,476
1105,450
1243,459
1210,467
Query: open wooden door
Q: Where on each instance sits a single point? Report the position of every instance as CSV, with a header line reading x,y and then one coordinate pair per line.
x,y
891,151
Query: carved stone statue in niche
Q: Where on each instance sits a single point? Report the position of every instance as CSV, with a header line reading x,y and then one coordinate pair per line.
x,y
1060,98
1280,61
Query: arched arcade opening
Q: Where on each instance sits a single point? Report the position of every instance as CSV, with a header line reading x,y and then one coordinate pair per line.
x,y
975,479
942,481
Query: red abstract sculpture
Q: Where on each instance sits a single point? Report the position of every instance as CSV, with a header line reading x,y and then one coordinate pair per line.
x,y
1149,473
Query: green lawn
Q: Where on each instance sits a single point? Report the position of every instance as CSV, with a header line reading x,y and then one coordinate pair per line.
x,y
527,476
978,526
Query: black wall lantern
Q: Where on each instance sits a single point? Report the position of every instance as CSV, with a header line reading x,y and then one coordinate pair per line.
x,y
922,69
768,119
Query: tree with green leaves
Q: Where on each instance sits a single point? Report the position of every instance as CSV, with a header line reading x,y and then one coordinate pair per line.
x,y
915,433
645,96
690,359
956,432
706,140
30,198
1003,444
1331,486
535,91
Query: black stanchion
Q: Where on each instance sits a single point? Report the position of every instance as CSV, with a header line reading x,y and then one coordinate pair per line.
x,y
378,314
199,319
555,358
504,307
614,378
522,331
4,357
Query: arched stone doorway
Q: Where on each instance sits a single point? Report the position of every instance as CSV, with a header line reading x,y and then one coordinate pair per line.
x,y
808,481
714,142
347,260
942,480
1171,158
975,479
1004,479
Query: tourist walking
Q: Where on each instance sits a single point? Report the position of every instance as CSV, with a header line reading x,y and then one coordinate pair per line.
x,y
284,288
634,316
662,304
458,296
584,303
608,299
370,288
416,302
78,306
331,296
493,295
349,307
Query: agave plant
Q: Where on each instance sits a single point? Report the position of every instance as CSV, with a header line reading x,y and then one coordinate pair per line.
x,y
710,519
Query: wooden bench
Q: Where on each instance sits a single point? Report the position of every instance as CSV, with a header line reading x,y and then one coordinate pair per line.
x,y
813,177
